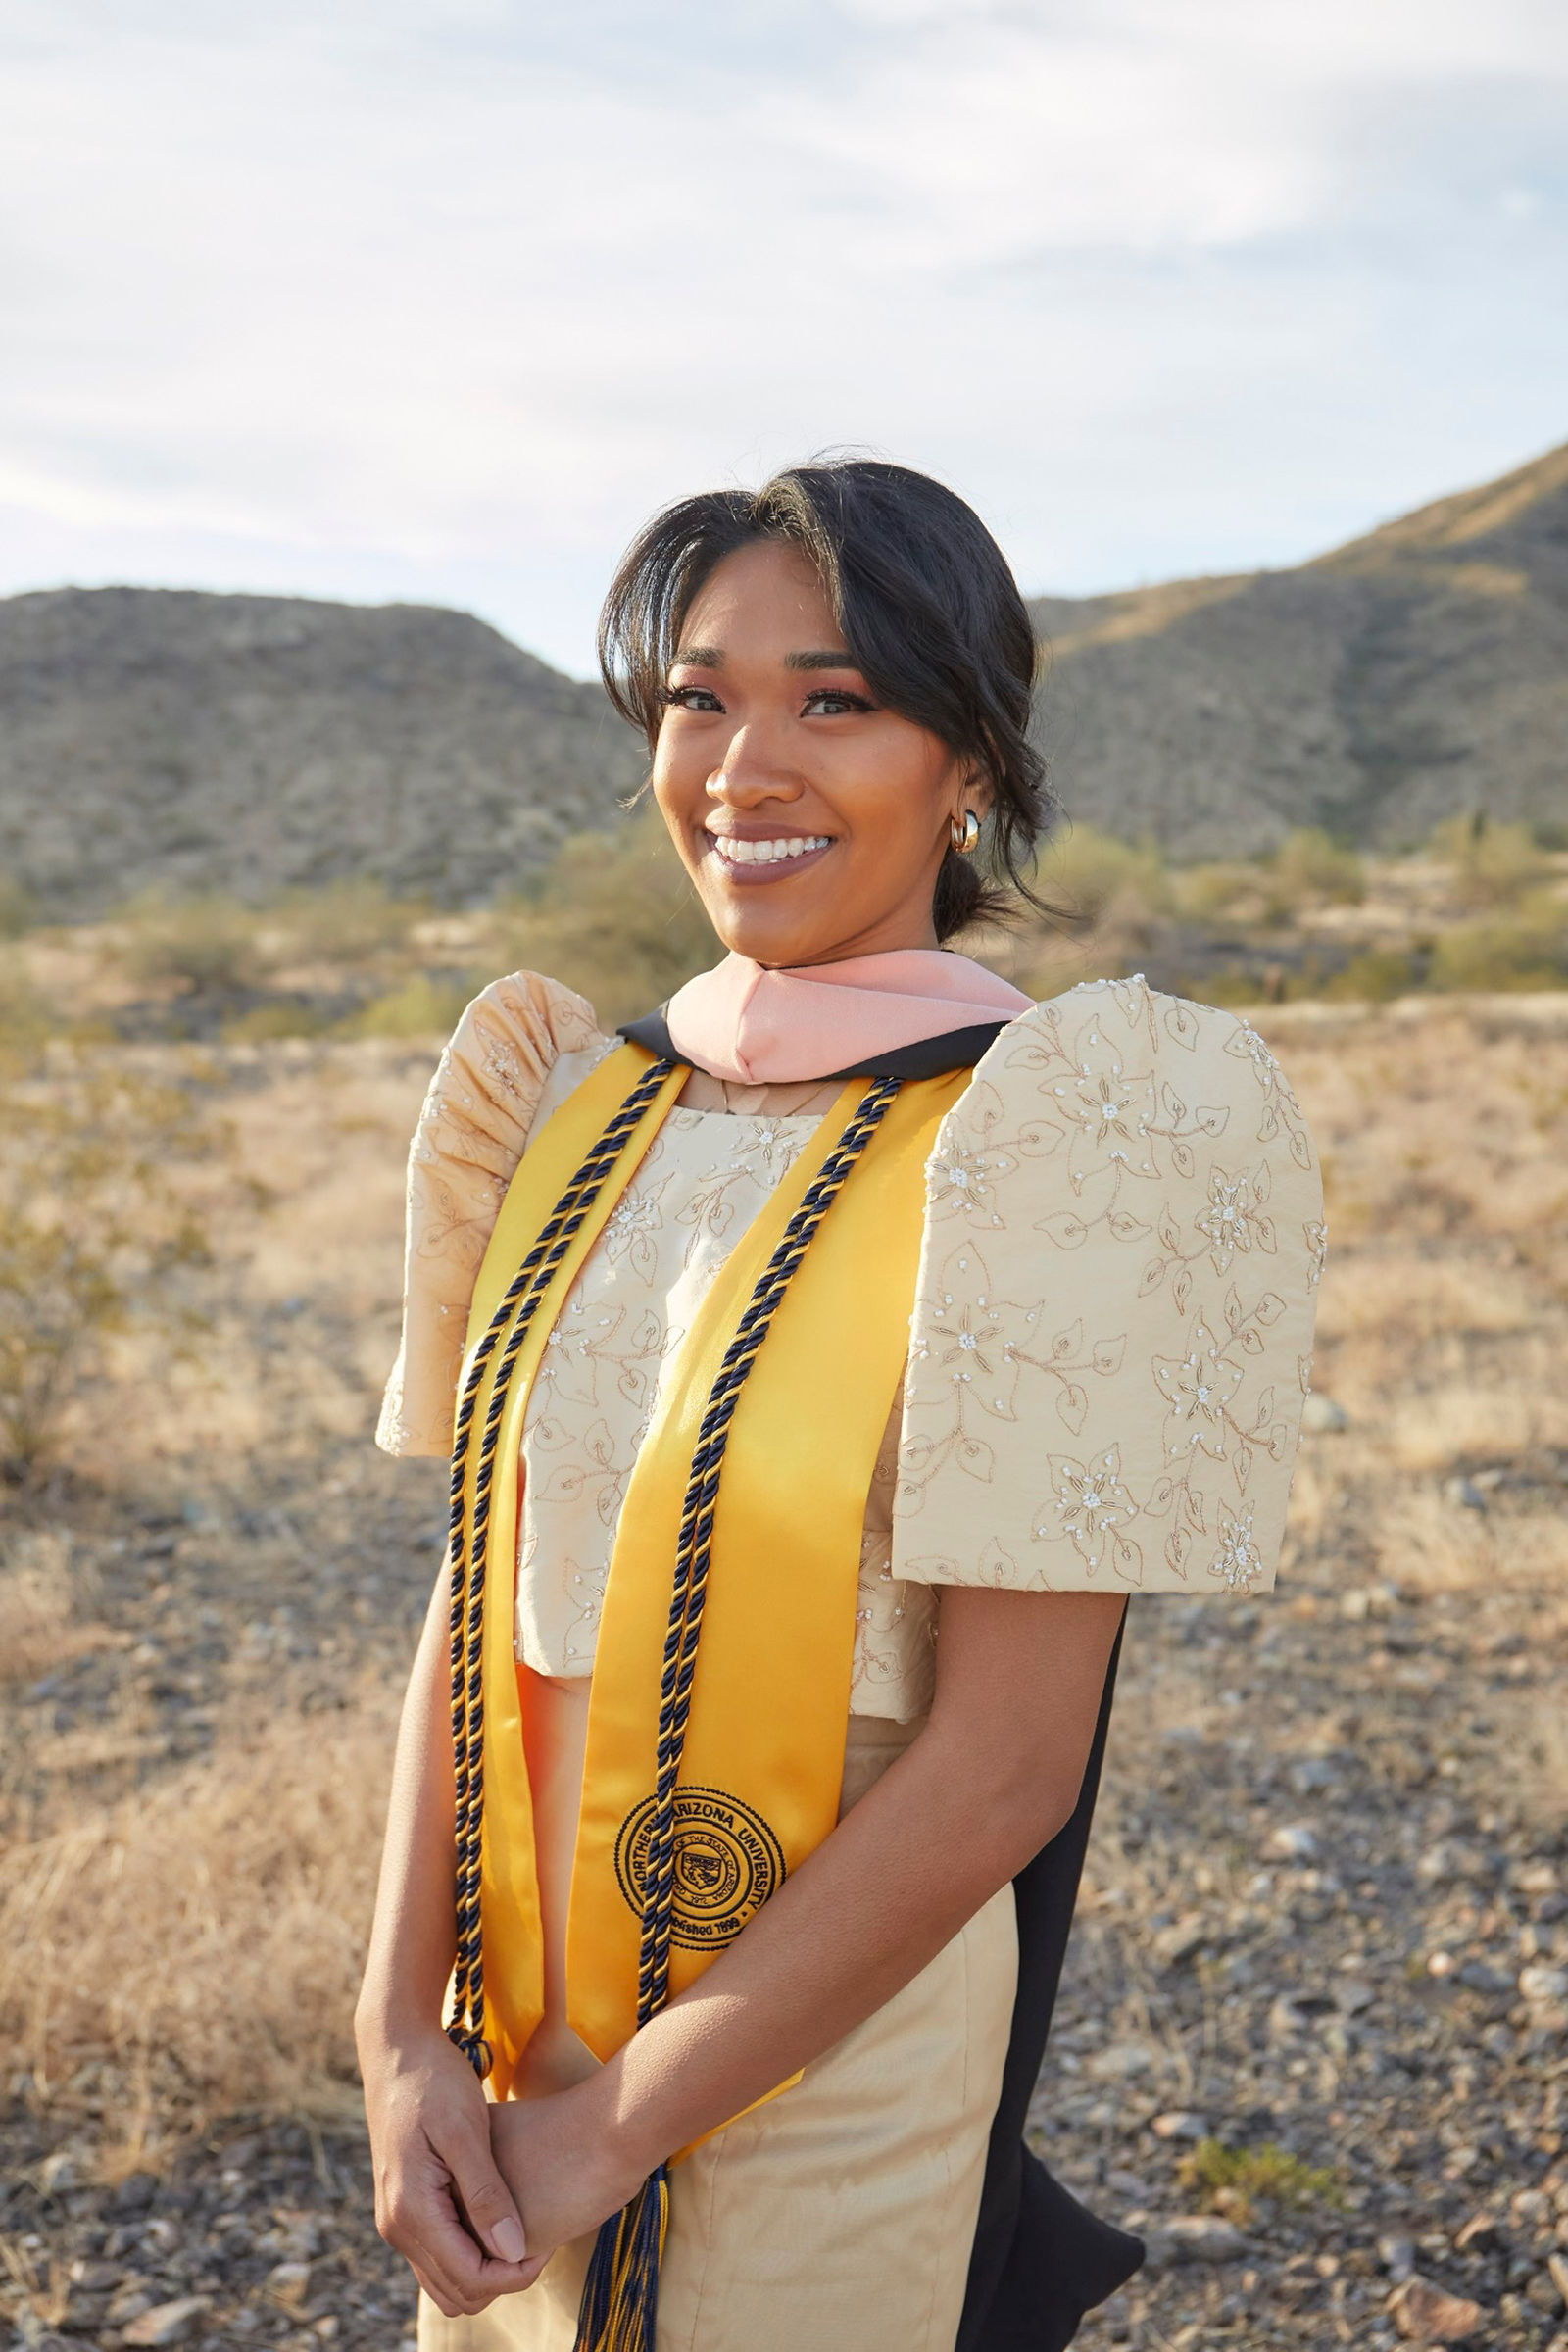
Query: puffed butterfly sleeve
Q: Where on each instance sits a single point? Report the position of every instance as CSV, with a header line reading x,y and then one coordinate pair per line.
x,y
1112,1332
478,1114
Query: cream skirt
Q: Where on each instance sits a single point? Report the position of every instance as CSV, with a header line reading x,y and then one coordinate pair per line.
x,y
836,2217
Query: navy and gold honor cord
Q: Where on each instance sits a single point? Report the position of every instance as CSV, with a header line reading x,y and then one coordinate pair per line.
x,y
469,1556
620,2293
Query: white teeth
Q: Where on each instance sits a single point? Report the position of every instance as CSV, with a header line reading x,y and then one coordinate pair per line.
x,y
743,852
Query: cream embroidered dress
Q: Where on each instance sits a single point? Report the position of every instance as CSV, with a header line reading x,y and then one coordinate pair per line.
x,y
1109,1349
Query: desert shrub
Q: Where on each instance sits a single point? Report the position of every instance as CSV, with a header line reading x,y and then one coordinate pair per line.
x,y
352,922
17,912
1493,864
91,1228
204,1942
1091,874
1214,892
1232,984
421,1006
1372,976
614,917
1239,2180
276,1017
1527,950
1309,864
43,1605
25,1019
202,945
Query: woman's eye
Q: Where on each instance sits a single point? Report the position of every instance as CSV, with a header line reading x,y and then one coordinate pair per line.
x,y
691,698
832,702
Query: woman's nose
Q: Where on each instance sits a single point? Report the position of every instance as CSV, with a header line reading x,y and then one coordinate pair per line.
x,y
753,767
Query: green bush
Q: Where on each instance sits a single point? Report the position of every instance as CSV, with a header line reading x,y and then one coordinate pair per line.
x,y
352,922
17,912
24,1017
1240,2178
1528,951
1372,978
1215,892
276,1017
421,1006
92,1230
1311,863
1093,875
204,946
1493,866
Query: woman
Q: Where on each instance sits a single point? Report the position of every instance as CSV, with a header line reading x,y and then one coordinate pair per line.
x,y
716,1489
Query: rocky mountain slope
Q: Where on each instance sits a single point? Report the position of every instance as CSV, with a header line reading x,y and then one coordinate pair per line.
x,y
164,738
1417,672
188,741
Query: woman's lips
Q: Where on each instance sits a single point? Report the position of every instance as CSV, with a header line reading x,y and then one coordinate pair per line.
x,y
747,861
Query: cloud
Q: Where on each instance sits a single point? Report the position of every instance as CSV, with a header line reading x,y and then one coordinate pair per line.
x,y
445,295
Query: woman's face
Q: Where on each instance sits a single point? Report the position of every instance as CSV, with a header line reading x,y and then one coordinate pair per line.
x,y
812,819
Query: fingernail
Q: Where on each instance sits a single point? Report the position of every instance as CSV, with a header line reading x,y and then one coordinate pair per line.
x,y
510,2244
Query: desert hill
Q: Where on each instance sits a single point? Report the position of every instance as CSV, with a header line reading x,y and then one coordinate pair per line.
x,y
155,736
1418,671
245,743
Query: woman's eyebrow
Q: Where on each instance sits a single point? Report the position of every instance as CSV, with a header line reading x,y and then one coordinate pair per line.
x,y
712,657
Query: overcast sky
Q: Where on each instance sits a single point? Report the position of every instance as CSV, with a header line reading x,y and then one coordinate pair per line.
x,y
397,299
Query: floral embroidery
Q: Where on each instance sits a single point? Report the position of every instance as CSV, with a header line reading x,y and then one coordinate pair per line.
x,y
1142,1171
1200,1387
1239,1562
634,1225
962,1183
982,1349
1317,1242
1230,1219
761,1148
1091,1505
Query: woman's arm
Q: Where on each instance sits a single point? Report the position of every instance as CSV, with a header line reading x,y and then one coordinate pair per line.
x,y
991,1778
438,2195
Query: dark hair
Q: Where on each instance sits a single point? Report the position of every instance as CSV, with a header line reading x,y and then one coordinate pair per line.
x,y
929,610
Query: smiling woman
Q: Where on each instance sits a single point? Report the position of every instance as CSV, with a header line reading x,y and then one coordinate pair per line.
x,y
825,1359
868,604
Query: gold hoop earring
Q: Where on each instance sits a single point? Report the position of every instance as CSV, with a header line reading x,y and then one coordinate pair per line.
x,y
964,836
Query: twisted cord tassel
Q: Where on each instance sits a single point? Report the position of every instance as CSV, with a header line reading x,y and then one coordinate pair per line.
x,y
468,1561
619,2305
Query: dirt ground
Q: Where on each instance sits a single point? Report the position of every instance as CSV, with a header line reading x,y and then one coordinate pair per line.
x,y
1313,2037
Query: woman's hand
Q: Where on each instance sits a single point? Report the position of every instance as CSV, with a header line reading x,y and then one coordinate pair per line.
x,y
439,2199
565,2175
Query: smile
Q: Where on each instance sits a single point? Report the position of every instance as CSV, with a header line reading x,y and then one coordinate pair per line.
x,y
761,861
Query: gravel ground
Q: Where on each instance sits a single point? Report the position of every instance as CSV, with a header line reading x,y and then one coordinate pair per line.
x,y
1312,2044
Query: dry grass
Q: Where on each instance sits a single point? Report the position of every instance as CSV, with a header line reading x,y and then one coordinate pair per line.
x,y
42,1609
204,1931
193,1924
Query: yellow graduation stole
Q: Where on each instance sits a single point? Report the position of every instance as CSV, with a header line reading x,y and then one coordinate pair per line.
x,y
722,1680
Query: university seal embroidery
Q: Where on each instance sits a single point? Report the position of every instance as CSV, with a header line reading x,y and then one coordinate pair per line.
x,y
728,1863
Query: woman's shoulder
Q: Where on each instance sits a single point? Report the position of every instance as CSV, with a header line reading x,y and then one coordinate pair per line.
x,y
1112,1332
512,1039
1112,1069
516,1027
522,1042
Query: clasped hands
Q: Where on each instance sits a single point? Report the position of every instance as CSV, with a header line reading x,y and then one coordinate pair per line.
x,y
478,2194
